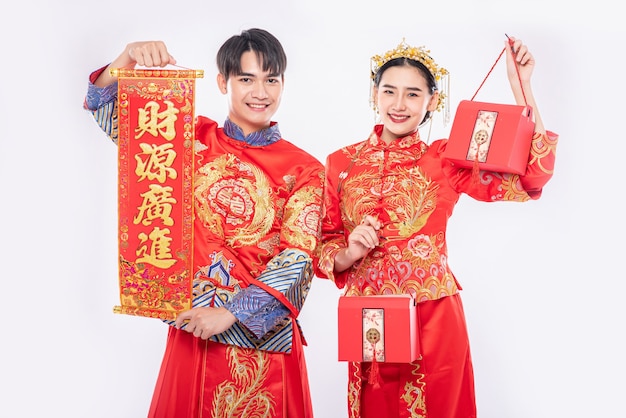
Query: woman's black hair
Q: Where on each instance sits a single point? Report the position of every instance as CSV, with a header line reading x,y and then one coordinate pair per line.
x,y
266,46
401,61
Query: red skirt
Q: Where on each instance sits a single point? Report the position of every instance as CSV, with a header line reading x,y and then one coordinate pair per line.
x,y
438,385
204,379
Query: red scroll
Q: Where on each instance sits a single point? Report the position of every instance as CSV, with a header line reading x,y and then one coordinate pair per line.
x,y
156,125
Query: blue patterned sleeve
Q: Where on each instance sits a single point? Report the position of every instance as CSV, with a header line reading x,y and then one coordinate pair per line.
x,y
289,273
101,102
98,97
257,310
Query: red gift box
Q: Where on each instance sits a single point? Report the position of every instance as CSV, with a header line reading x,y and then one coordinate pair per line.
x,y
496,137
384,326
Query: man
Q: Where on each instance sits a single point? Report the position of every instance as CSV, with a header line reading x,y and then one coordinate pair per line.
x,y
239,349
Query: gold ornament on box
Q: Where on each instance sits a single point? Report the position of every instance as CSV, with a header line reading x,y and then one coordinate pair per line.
x,y
422,55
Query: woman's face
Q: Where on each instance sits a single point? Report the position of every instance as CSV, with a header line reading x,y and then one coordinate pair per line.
x,y
403,98
253,96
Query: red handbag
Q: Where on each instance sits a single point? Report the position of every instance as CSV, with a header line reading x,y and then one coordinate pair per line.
x,y
491,136
378,328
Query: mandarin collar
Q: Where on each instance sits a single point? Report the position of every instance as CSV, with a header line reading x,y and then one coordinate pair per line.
x,y
404,142
265,136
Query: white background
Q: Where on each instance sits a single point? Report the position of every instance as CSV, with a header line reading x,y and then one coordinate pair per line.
x,y
543,281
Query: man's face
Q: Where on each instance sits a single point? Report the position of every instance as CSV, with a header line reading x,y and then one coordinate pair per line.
x,y
253,96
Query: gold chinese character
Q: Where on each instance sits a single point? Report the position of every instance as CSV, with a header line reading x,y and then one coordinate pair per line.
x,y
157,204
155,162
154,122
157,252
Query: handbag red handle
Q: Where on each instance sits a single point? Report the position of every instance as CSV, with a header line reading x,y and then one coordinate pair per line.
x,y
493,66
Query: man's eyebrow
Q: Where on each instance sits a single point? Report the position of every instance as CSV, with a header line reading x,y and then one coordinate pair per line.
x,y
244,74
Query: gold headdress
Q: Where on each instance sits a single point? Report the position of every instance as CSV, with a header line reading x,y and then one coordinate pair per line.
x,y
422,55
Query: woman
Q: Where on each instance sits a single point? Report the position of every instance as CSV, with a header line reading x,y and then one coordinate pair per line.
x,y
387,203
